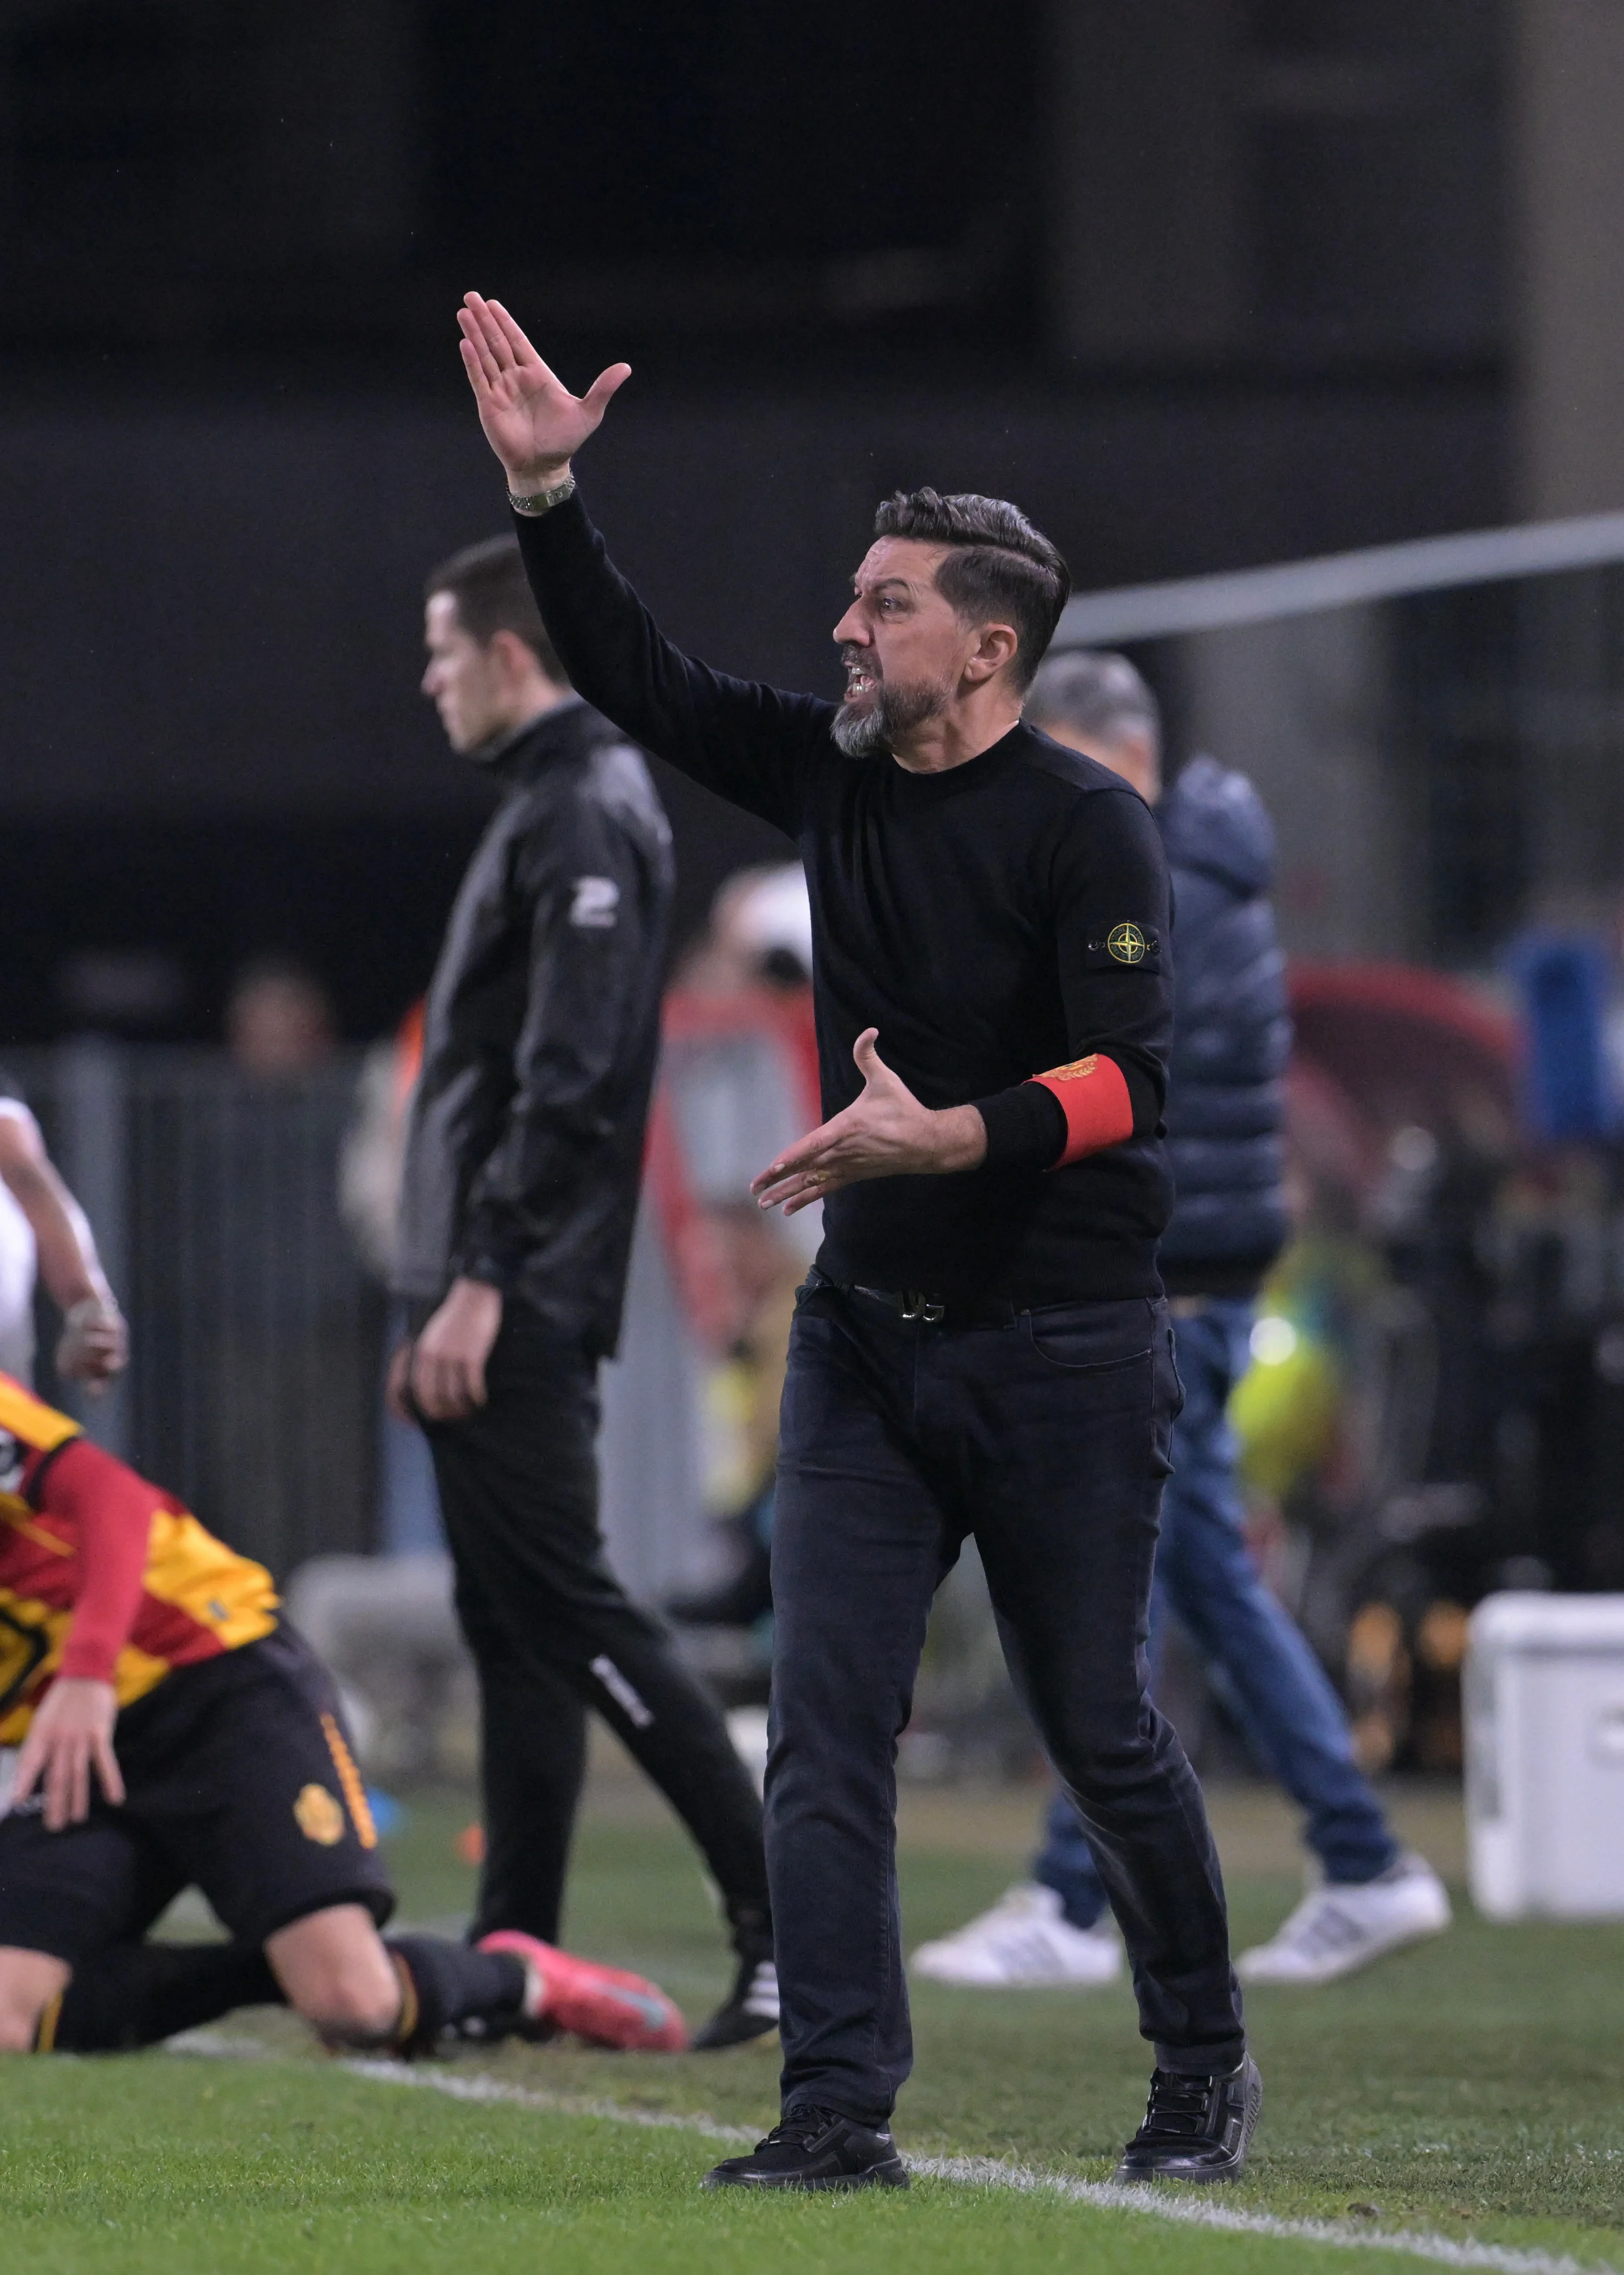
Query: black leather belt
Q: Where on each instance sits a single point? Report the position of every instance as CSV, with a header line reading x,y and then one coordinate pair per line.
x,y
908,1302
936,1310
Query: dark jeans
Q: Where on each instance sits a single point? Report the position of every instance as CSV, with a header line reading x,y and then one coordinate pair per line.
x,y
552,1632
1046,1438
1292,1718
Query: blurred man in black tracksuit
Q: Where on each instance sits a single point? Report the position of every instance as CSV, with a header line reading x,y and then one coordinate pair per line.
x,y
518,1193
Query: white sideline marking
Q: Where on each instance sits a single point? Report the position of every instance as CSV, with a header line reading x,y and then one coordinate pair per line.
x,y
1201,2211
560,2104
220,2046
961,2172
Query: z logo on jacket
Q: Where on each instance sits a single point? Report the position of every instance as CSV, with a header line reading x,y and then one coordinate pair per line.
x,y
596,901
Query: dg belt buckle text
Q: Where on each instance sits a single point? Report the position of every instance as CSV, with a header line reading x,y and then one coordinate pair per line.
x,y
918,1306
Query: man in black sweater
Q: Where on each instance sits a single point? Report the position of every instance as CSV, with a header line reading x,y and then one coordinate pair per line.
x,y
983,1347
518,1189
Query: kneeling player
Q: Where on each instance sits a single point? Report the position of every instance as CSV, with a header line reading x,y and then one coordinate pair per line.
x,y
140,1655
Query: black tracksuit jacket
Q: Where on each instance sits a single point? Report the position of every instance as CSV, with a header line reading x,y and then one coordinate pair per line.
x,y
524,1145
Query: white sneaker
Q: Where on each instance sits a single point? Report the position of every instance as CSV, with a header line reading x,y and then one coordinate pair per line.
x,y
1022,1943
1345,1924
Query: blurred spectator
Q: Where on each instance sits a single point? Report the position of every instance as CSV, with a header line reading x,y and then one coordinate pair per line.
x,y
43,1231
738,1083
760,935
742,1394
369,1171
1449,1418
1567,982
279,1021
738,1071
287,1358
375,1145
1225,1112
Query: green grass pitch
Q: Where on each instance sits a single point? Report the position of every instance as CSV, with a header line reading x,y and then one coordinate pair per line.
x,y
1466,2095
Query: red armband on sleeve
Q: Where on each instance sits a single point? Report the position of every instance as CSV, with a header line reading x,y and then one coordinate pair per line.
x,y
112,1511
1093,1097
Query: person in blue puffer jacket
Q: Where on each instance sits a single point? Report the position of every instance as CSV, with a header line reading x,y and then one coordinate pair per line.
x,y
1225,1116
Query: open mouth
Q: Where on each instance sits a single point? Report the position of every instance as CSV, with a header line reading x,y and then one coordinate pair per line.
x,y
859,682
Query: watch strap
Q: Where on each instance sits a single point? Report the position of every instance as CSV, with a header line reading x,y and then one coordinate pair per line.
x,y
532,502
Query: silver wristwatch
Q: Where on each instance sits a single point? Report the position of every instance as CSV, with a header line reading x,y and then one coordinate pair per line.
x,y
539,502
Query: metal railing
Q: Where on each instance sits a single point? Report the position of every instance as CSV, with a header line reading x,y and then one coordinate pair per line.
x,y
256,1334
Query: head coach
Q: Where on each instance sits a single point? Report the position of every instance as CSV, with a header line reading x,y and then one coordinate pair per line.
x,y
983,1348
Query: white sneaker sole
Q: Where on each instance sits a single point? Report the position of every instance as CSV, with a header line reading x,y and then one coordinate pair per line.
x,y
930,1969
1257,1966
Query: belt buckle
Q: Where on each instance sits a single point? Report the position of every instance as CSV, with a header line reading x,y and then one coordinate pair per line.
x,y
916,1305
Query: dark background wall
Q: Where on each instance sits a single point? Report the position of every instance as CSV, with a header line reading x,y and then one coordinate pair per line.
x,y
1200,282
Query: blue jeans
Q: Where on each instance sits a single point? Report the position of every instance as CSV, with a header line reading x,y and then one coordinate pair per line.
x,y
1292,1718
1047,1437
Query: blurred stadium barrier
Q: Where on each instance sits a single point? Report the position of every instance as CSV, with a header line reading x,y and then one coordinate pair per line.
x,y
257,1336
258,1332
1436,727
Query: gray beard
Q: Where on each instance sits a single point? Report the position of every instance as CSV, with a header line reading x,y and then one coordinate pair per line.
x,y
895,709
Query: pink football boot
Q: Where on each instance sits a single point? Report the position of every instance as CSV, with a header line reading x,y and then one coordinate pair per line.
x,y
603,2005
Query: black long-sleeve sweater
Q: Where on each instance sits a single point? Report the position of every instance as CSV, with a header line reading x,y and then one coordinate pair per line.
x,y
968,915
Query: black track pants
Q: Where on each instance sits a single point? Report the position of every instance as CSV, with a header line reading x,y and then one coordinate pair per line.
x,y
553,1632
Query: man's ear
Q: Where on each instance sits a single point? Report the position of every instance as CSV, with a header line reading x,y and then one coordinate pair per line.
x,y
517,659
994,648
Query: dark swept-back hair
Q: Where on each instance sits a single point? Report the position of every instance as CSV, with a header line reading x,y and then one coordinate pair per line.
x,y
492,594
1000,567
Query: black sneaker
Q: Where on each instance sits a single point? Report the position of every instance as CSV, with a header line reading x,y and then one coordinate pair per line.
x,y
1196,2128
749,2011
815,2149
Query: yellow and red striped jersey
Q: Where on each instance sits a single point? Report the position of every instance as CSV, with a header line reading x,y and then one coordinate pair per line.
x,y
101,1574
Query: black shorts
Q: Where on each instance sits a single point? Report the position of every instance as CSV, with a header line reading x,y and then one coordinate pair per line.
x,y
238,1780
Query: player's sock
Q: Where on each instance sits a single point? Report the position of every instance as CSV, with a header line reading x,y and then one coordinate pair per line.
x,y
140,1992
447,1984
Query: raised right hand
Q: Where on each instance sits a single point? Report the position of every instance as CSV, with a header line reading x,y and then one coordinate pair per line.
x,y
531,419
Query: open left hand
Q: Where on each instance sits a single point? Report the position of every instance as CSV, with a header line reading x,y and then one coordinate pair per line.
x,y
884,1133
71,1735
448,1359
